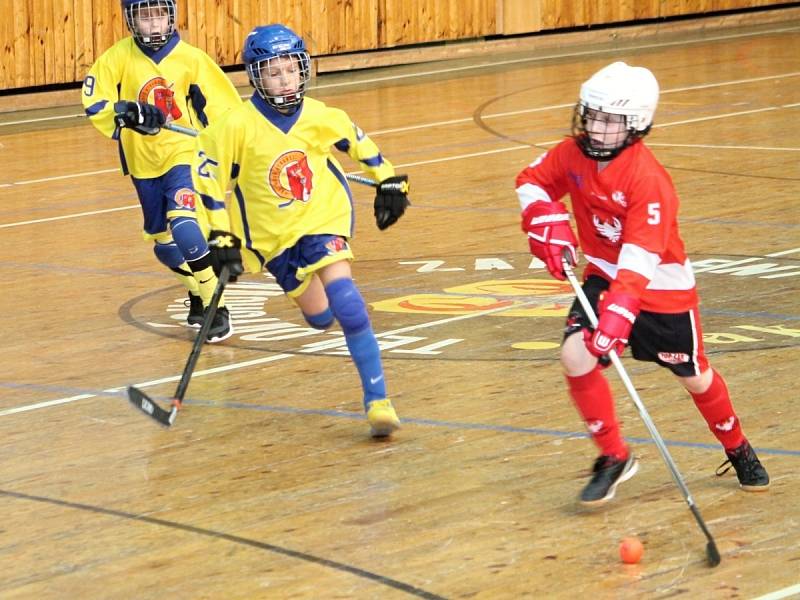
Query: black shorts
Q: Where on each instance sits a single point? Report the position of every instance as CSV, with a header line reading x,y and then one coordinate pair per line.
x,y
673,340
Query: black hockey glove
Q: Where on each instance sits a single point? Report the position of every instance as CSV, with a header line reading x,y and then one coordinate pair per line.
x,y
225,249
143,118
391,200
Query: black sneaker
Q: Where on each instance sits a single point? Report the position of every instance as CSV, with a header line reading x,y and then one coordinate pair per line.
x,y
752,475
609,472
221,328
195,305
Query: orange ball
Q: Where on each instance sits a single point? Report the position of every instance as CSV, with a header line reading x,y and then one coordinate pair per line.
x,y
631,550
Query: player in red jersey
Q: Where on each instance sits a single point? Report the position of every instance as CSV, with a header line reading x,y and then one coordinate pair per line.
x,y
638,278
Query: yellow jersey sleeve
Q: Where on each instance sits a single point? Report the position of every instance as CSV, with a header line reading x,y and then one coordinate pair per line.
x,y
211,172
359,146
218,93
99,91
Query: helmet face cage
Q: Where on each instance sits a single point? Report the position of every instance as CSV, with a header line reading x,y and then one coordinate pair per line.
x,y
276,72
143,17
602,135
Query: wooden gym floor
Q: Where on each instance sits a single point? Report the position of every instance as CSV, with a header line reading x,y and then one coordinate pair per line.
x,y
268,485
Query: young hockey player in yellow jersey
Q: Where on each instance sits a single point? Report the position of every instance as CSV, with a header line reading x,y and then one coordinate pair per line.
x,y
291,211
154,77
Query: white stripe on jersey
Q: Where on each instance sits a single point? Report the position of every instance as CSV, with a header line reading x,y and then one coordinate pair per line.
x,y
529,193
637,259
666,276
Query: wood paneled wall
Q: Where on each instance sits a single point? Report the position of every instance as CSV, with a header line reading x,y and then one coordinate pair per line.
x,y
46,42
523,16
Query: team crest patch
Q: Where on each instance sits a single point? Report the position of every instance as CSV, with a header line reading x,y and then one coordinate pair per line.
x,y
185,198
336,245
673,358
290,177
726,425
163,97
595,426
611,231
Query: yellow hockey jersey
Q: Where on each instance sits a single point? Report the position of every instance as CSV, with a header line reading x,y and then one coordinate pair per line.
x,y
181,80
286,182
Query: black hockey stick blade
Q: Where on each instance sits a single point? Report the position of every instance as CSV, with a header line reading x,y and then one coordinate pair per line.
x,y
713,554
149,407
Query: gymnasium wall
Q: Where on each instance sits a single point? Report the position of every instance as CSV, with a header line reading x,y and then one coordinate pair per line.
x,y
46,42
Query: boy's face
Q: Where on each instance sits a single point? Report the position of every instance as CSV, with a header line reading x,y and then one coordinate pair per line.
x,y
281,76
605,130
152,20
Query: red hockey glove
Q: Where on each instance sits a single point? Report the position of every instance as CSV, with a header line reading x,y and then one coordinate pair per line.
x,y
617,311
549,234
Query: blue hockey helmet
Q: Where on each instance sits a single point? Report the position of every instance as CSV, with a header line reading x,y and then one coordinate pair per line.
x,y
144,19
268,50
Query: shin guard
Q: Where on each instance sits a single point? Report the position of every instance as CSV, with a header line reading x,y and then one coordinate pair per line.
x,y
189,239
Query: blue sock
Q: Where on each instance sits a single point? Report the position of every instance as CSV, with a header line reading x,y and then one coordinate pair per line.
x,y
367,355
349,309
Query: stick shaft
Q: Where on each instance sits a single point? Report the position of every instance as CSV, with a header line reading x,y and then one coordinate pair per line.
x,y
208,319
643,413
362,180
181,129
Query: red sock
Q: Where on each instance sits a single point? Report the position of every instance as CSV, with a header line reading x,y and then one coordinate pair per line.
x,y
715,406
592,397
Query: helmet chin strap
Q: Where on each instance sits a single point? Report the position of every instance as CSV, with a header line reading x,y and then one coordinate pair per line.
x,y
591,149
155,40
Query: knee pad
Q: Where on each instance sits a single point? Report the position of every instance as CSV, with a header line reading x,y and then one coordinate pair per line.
x,y
169,255
347,305
189,238
320,321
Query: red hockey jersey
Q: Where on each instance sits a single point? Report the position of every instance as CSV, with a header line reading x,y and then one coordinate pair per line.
x,y
626,217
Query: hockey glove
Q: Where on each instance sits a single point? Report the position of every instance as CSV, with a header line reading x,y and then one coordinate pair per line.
x,y
549,235
225,249
143,118
617,311
391,200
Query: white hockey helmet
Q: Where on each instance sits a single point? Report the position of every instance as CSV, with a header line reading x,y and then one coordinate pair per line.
x,y
617,89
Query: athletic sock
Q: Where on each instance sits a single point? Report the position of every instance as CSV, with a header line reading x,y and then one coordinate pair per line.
x,y
206,283
349,309
715,406
366,355
187,279
592,397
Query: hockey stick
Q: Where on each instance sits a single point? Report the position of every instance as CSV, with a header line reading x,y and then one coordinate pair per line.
x,y
181,129
712,552
149,406
194,133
